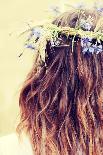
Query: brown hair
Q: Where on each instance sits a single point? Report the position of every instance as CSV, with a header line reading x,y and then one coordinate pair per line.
x,y
62,103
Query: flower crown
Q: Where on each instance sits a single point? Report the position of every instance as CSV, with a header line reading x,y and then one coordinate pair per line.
x,y
39,35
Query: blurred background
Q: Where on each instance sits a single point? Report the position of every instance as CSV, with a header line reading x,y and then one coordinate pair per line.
x,y
14,16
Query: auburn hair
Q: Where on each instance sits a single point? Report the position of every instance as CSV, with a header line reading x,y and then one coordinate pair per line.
x,y
61,103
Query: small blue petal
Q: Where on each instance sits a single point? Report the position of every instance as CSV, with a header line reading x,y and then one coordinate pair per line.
x,y
100,9
100,47
37,32
85,50
87,26
30,46
98,51
85,40
91,50
88,44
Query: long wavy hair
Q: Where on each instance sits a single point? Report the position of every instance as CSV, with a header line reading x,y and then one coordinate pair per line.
x,y
61,103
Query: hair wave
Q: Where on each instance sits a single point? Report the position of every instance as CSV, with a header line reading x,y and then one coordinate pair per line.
x,y
61,103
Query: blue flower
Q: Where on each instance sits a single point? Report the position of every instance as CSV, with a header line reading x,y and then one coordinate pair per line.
x,y
36,32
89,49
86,42
30,46
98,8
85,25
86,49
92,48
97,49
100,49
87,46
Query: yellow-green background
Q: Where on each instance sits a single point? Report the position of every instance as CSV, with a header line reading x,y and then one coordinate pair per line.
x,y
14,16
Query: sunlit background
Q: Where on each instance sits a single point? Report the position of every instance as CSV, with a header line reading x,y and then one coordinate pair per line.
x,y
14,16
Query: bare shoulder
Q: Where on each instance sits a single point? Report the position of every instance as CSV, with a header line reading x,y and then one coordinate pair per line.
x,y
11,145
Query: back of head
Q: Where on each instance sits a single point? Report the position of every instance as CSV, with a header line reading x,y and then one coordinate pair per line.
x,y
61,103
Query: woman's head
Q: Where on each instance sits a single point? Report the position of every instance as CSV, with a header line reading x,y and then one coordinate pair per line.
x,y
61,103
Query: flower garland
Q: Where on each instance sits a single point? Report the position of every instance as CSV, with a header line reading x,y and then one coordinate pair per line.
x,y
39,35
